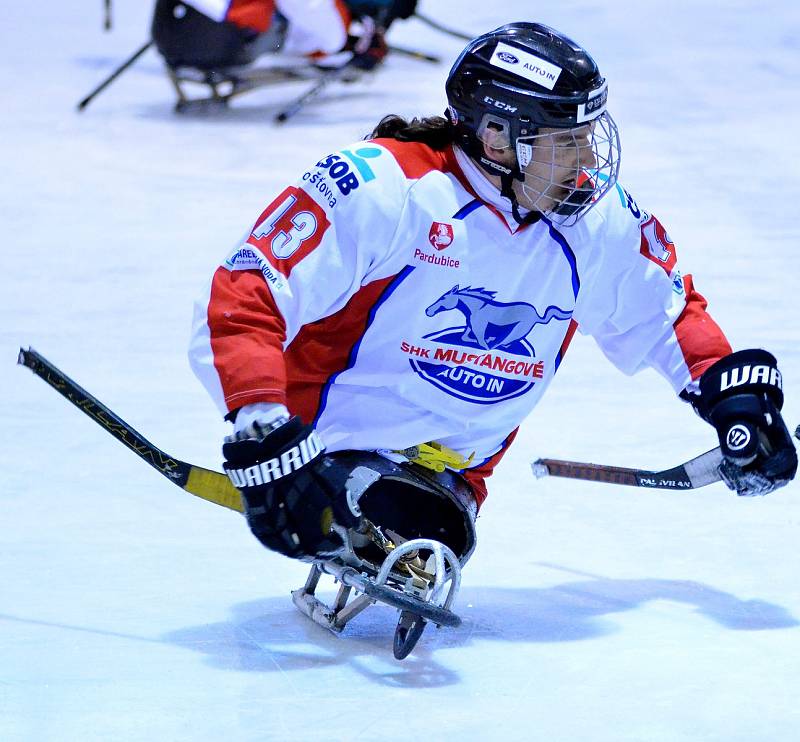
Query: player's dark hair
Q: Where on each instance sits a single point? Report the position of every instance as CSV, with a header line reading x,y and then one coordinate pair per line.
x,y
435,131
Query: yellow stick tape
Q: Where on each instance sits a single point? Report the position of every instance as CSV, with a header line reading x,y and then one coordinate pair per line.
x,y
214,487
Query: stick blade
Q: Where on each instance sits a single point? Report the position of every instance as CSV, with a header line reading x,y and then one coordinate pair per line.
x,y
539,469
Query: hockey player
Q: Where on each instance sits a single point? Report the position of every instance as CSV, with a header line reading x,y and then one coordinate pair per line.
x,y
398,310
209,34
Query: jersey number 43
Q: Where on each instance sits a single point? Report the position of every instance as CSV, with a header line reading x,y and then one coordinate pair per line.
x,y
290,228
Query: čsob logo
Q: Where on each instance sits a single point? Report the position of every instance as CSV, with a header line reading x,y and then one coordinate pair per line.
x,y
340,171
490,326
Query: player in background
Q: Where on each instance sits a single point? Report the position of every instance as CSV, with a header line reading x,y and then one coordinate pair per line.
x,y
208,34
397,311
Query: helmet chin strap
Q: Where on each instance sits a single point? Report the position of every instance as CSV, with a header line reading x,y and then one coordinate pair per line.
x,y
507,190
507,177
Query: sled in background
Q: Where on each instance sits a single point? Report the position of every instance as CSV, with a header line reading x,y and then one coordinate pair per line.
x,y
208,86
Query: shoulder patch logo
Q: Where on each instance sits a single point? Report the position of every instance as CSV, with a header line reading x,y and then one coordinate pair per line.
x,y
341,172
656,245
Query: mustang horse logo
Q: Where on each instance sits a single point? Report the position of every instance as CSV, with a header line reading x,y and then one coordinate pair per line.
x,y
490,323
489,358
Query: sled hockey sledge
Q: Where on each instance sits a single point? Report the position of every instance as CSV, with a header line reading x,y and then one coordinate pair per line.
x,y
219,85
209,91
422,594
421,576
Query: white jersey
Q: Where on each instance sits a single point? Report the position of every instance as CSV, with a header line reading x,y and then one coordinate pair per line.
x,y
314,26
390,298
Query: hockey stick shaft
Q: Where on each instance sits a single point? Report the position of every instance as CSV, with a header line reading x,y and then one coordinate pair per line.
x,y
414,54
697,472
107,15
298,103
114,75
326,78
443,29
204,483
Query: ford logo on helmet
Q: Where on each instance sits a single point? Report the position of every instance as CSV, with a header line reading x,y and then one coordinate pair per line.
x,y
507,58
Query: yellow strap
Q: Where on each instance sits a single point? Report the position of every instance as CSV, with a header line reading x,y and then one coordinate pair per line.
x,y
437,457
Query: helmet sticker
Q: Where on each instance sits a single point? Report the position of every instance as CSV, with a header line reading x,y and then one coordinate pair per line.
x,y
525,65
594,106
524,154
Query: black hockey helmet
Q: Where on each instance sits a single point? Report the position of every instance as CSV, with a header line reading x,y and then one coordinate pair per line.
x,y
525,77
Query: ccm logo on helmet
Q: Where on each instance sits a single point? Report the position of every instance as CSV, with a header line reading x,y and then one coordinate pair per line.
x,y
499,104
272,469
752,375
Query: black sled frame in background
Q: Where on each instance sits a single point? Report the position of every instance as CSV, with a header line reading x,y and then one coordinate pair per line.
x,y
225,84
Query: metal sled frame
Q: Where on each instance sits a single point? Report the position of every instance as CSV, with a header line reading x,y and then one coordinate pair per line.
x,y
390,587
227,83
224,84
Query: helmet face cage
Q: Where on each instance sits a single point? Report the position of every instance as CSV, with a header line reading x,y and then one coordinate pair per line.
x,y
567,171
529,89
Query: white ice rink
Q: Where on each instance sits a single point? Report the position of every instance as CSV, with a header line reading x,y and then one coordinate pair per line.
x,y
130,610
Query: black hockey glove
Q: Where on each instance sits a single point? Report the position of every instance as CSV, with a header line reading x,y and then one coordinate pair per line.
x,y
741,396
369,47
293,494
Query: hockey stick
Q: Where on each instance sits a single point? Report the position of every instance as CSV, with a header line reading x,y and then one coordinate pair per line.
x,y
326,78
107,15
114,75
443,29
698,472
414,54
298,103
204,483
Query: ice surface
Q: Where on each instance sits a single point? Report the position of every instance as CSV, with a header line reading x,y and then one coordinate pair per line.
x,y
132,611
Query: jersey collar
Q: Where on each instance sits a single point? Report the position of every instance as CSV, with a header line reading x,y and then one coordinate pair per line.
x,y
485,190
